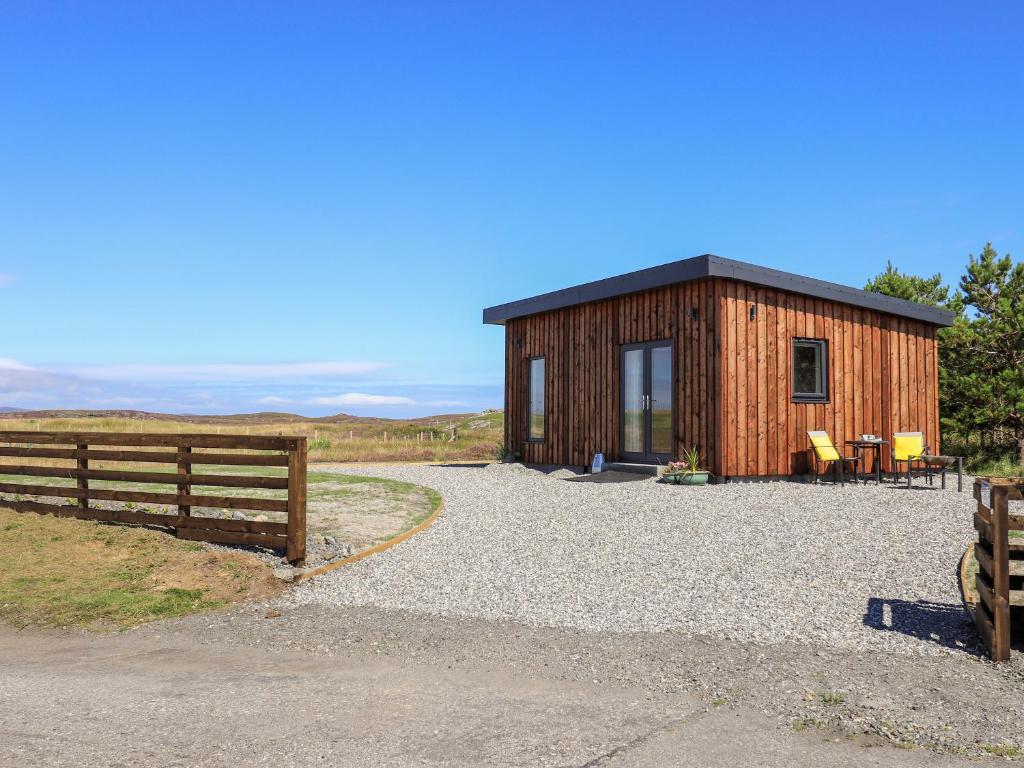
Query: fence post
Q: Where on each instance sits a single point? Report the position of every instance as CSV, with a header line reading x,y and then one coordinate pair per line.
x,y
83,483
184,469
1000,573
297,453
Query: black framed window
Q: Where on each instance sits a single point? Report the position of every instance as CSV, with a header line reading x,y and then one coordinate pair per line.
x,y
810,370
535,399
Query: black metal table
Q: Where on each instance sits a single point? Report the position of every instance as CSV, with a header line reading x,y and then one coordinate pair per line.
x,y
859,446
943,463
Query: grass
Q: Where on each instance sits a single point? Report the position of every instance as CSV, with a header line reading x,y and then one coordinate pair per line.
x,y
803,723
347,508
832,698
328,496
331,439
320,485
1001,750
58,572
1005,467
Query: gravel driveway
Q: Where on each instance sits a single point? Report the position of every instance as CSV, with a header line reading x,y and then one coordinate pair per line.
x,y
860,567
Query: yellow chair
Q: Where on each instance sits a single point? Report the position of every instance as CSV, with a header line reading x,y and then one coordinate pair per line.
x,y
825,452
907,447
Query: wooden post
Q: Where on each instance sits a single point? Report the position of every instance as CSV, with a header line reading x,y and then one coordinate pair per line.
x,y
1000,573
297,502
184,469
83,483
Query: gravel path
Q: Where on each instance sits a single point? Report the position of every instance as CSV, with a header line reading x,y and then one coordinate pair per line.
x,y
860,567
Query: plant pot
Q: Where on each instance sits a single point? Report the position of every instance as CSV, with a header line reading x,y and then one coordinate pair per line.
x,y
688,478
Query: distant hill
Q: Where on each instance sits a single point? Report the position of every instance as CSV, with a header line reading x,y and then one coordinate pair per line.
x,y
265,417
338,438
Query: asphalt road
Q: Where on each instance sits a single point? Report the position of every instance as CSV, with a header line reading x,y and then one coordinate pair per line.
x,y
166,700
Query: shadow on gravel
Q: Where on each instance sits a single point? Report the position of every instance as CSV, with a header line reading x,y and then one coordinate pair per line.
x,y
947,625
608,476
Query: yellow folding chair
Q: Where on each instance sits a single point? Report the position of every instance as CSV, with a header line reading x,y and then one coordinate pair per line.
x,y
825,452
907,447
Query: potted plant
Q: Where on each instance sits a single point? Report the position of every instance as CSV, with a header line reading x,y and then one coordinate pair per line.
x,y
687,470
505,454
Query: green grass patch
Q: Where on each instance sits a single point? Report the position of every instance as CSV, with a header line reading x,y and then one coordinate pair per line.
x,y
61,572
338,505
804,723
1005,467
1001,750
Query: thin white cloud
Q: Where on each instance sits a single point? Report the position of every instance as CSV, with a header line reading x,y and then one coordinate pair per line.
x,y
227,388
223,371
22,384
26,398
360,398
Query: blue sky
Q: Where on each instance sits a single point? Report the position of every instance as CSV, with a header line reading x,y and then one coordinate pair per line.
x,y
228,207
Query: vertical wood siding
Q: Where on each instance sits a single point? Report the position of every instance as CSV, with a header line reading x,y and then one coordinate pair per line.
x,y
733,374
882,378
581,350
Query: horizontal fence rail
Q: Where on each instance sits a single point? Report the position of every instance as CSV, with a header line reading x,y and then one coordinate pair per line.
x,y
1000,578
289,452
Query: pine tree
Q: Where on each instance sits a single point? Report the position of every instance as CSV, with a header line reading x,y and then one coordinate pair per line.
x,y
991,343
923,290
954,407
981,357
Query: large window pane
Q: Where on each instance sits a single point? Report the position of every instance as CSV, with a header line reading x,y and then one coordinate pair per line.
x,y
661,400
633,401
810,369
536,423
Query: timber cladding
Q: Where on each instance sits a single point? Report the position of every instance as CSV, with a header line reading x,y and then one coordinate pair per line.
x,y
732,368
28,448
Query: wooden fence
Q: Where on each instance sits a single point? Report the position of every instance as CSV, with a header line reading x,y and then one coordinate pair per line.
x,y
1000,579
287,452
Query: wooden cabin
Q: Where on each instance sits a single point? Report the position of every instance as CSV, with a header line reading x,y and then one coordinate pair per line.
x,y
737,359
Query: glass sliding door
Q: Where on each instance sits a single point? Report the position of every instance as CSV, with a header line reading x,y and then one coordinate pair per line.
x,y
660,400
646,417
633,400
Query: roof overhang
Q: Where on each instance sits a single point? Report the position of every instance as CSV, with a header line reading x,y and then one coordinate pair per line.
x,y
707,266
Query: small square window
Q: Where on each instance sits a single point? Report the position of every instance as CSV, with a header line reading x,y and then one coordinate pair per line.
x,y
535,398
810,370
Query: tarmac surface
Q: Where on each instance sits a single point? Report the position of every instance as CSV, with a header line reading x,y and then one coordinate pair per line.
x,y
161,698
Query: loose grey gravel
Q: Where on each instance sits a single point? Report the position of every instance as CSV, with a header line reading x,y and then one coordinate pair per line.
x,y
860,567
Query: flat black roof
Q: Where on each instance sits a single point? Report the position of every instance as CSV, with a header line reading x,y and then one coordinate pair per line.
x,y
705,266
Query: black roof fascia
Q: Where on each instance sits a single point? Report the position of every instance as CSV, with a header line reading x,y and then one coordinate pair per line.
x,y
706,266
